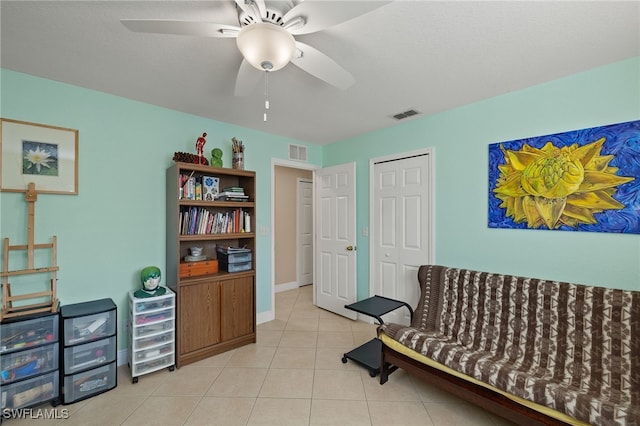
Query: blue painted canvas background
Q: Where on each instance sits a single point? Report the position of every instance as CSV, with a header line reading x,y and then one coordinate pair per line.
x,y
622,141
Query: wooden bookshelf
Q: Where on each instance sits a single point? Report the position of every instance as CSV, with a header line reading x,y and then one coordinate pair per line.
x,y
215,312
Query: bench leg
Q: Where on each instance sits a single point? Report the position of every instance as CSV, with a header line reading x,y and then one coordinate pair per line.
x,y
385,368
384,376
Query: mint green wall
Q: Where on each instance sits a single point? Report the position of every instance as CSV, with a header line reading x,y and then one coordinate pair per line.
x,y
116,225
460,138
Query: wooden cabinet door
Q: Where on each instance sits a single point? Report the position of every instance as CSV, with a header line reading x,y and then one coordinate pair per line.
x,y
199,321
238,307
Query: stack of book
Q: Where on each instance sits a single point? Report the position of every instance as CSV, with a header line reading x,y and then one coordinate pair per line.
x,y
197,187
200,220
232,193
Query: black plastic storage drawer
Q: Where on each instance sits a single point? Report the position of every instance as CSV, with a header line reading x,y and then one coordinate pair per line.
x,y
83,385
89,355
28,363
18,335
88,321
30,392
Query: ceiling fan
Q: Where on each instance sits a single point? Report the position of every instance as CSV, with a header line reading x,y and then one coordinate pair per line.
x,y
265,36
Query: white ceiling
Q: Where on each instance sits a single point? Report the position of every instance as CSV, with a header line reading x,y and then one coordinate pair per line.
x,y
424,55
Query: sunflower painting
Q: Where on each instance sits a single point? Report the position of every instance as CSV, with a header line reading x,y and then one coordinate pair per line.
x,y
583,180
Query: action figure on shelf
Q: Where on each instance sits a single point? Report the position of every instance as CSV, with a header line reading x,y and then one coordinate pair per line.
x,y
150,278
200,148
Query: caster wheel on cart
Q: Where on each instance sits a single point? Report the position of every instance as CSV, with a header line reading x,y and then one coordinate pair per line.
x,y
372,373
344,359
171,368
134,380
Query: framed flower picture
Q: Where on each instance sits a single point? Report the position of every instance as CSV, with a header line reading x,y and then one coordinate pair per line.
x,y
42,154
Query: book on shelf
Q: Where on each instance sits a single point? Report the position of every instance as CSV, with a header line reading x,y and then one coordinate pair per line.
x,y
211,187
198,193
189,189
233,189
232,194
182,185
247,222
227,197
188,184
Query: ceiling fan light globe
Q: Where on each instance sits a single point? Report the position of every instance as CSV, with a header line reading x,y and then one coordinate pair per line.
x,y
266,43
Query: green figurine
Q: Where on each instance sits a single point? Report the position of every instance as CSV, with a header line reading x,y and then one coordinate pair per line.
x,y
216,157
150,278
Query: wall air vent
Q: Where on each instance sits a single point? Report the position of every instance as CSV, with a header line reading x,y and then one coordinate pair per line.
x,y
408,113
297,152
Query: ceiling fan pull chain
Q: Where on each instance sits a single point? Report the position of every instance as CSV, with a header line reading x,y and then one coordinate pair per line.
x,y
266,91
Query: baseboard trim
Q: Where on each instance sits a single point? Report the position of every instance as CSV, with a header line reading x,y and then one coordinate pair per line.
x,y
263,317
286,286
366,318
122,357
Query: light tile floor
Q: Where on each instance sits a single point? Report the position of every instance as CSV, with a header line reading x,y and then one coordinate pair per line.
x,y
293,375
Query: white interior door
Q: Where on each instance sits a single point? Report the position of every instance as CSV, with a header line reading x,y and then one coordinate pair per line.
x,y
305,233
401,228
335,238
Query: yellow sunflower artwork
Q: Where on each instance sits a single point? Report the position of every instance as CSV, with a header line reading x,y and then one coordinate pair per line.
x,y
585,180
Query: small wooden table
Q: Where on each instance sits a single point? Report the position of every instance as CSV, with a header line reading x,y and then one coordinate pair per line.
x,y
369,354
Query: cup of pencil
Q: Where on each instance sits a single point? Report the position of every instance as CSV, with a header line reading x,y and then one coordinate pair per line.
x,y
237,159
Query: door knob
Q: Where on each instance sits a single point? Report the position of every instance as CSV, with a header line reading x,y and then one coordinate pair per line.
x,y
351,248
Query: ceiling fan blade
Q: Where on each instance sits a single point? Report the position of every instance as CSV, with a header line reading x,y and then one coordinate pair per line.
x,y
262,8
247,79
190,28
319,15
323,67
251,9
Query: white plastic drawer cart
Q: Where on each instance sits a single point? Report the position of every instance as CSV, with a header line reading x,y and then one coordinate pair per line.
x,y
152,333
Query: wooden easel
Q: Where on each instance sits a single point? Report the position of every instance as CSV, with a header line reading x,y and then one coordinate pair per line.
x,y
51,304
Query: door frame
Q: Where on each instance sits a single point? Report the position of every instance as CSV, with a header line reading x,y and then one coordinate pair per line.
x,y
294,165
298,226
429,154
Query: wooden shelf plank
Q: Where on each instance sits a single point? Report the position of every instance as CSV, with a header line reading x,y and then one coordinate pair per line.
x,y
199,237
219,204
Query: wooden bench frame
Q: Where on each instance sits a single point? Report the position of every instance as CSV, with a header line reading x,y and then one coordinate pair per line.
x,y
491,401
